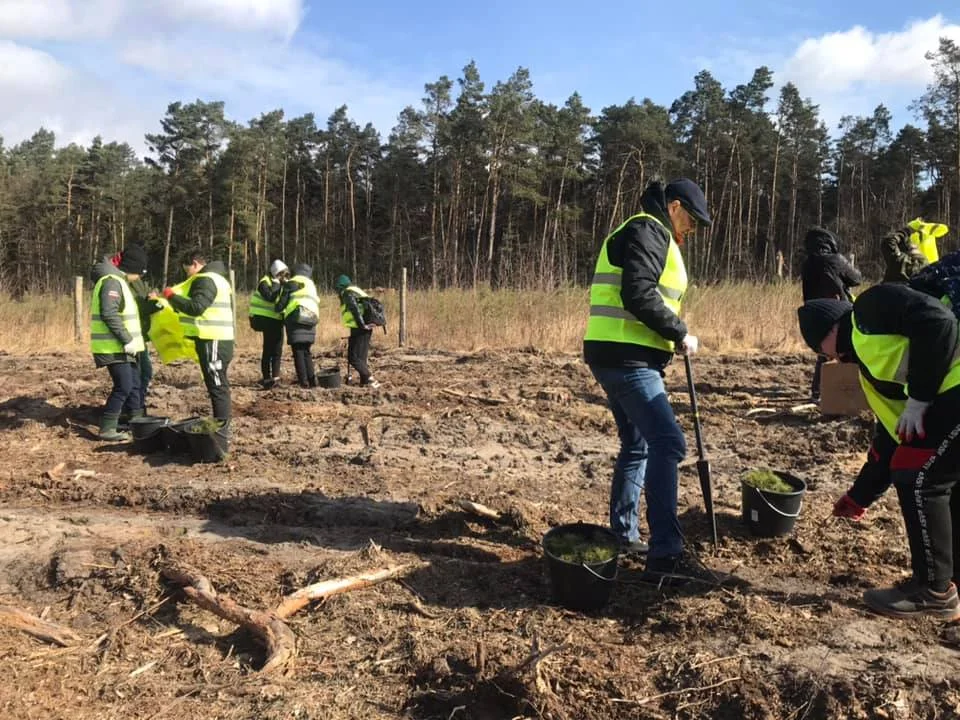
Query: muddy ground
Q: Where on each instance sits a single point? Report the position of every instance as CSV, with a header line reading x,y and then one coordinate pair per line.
x,y
323,484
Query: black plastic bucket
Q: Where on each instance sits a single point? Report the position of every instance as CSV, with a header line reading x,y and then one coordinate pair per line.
x,y
208,446
586,585
328,377
176,439
148,434
768,513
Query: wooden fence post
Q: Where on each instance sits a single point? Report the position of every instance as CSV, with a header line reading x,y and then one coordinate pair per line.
x,y
403,307
78,309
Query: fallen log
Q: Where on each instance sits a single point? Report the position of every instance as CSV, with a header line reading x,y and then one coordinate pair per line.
x,y
295,601
279,640
32,625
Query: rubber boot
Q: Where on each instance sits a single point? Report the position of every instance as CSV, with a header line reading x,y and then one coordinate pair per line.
x,y
108,429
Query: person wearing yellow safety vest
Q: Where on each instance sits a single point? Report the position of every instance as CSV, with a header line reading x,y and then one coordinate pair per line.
x,y
266,319
351,315
300,306
909,249
633,331
905,343
205,305
115,341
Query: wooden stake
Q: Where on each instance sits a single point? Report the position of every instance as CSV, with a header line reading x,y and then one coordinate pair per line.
x,y
322,590
32,625
78,309
403,308
478,509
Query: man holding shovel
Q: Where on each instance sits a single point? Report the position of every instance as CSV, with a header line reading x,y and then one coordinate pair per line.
x,y
632,333
906,345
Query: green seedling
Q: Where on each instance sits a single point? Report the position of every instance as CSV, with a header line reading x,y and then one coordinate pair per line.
x,y
764,479
576,549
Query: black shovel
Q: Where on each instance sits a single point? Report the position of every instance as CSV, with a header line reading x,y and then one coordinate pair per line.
x,y
703,465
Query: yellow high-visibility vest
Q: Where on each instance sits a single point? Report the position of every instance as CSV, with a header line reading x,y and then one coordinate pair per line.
x,y
216,322
345,315
609,321
306,297
924,237
260,306
886,358
104,342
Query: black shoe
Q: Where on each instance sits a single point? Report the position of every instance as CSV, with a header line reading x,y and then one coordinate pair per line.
x,y
679,570
633,547
268,383
911,599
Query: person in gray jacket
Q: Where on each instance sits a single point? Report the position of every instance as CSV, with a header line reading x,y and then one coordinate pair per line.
x,y
115,341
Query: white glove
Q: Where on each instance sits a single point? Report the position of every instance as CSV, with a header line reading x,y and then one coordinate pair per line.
x,y
689,344
910,423
130,348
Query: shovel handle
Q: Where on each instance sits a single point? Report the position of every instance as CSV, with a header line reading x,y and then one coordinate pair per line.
x,y
691,389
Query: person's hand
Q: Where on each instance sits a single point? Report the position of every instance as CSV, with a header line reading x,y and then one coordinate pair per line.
x,y
153,295
368,327
689,344
130,348
910,423
168,293
847,507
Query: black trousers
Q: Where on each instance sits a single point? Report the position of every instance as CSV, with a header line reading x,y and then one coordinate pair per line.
x,y
215,357
125,396
303,362
925,474
358,350
272,348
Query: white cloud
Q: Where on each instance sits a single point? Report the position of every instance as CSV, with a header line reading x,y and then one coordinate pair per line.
x,y
279,16
59,19
857,58
115,74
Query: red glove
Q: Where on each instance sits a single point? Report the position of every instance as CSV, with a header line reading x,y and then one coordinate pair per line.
x,y
847,507
168,293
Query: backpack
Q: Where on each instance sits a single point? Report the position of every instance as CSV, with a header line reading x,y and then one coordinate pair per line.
x,y
374,312
941,279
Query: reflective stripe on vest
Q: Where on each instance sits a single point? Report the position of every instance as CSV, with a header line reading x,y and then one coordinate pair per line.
x,y
306,297
887,358
609,321
259,306
345,315
216,322
104,342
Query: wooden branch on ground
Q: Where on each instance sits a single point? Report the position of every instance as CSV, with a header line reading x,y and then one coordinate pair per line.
x,y
32,625
766,413
278,639
478,398
322,590
478,509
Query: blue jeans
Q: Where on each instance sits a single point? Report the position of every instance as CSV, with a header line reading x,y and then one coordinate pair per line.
x,y
651,447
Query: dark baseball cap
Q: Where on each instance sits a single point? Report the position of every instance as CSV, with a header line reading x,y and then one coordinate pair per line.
x,y
691,198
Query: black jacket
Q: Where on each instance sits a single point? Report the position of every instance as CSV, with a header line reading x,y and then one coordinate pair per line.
x,y
203,292
640,248
351,301
296,333
895,309
826,273
112,307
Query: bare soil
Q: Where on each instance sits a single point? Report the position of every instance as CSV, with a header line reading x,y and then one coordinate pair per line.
x,y
323,484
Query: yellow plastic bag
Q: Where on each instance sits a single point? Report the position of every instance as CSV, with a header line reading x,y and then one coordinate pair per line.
x,y
166,334
925,237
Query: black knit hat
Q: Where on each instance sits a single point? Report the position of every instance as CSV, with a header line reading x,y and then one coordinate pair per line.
x,y
134,260
817,318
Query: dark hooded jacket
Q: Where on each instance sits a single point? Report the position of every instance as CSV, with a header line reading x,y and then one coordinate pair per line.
x,y
826,273
640,248
111,309
296,333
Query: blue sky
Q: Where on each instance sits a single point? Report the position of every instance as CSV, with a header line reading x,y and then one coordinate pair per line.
x,y
81,67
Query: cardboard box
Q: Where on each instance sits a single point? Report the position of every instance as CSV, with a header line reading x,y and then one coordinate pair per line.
x,y
840,391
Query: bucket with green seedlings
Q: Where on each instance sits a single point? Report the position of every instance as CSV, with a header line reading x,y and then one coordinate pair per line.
x,y
209,439
582,564
772,500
